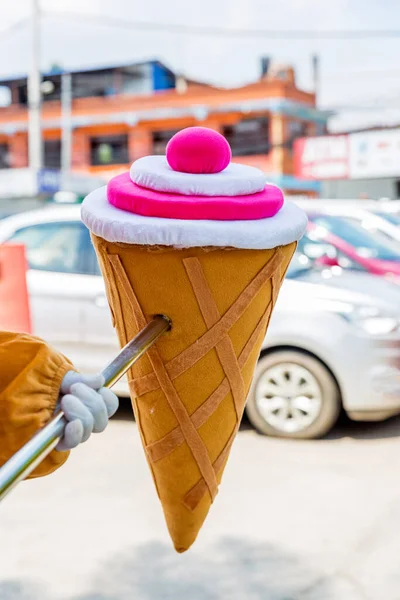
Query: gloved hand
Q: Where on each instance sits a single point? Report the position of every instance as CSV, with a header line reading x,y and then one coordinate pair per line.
x,y
87,405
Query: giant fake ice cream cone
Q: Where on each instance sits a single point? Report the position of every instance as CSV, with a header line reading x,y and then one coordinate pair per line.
x,y
207,243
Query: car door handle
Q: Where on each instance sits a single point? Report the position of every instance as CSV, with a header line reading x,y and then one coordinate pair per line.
x,y
101,301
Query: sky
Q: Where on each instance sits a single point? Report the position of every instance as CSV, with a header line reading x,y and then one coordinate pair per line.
x,y
360,79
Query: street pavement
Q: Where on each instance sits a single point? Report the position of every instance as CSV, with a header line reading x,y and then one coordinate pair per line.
x,y
315,520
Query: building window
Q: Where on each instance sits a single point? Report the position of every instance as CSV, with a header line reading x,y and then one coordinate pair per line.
x,y
4,157
295,129
248,137
161,139
109,150
52,154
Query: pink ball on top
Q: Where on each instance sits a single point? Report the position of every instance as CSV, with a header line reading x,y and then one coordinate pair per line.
x,y
198,150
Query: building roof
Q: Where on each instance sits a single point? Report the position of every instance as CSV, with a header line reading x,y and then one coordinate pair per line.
x,y
197,102
89,69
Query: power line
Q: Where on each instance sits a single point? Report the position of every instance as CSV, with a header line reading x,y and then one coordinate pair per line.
x,y
225,32
14,27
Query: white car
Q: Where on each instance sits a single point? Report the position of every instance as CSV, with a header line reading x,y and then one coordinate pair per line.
x,y
330,338
67,294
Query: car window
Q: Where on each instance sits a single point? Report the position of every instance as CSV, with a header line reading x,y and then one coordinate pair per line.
x,y
313,250
314,247
366,244
391,217
53,246
347,263
299,265
93,267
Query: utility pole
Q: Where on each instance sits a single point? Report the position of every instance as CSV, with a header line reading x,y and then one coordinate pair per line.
x,y
66,133
316,76
34,93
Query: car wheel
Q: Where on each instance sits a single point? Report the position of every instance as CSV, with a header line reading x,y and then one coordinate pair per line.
x,y
293,395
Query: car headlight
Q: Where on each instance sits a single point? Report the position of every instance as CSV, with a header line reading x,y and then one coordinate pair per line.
x,y
379,325
373,321
368,318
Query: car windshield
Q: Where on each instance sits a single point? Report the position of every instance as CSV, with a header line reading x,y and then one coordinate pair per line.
x,y
366,244
391,217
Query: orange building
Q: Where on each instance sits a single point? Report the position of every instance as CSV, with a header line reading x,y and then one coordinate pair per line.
x,y
122,113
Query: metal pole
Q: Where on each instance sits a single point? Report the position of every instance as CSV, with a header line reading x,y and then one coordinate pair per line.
x,y
316,76
29,456
34,93
66,133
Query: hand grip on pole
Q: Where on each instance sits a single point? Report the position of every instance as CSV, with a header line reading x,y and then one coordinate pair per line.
x,y
33,453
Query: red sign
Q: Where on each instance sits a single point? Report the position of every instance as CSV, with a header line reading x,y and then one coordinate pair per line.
x,y
14,299
325,157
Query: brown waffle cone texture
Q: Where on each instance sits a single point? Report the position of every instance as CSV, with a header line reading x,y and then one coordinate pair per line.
x,y
189,390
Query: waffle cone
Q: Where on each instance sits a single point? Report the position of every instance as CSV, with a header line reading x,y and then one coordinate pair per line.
x,y
189,391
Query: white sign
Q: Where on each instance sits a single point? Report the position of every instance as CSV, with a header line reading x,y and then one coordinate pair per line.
x,y
374,154
324,157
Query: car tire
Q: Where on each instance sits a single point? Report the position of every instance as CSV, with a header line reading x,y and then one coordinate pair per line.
x,y
309,411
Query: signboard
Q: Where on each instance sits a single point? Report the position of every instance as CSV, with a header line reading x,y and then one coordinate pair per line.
x,y
49,181
364,155
325,157
374,154
14,299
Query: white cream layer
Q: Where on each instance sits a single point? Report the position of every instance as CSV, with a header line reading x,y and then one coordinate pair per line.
x,y
154,173
115,225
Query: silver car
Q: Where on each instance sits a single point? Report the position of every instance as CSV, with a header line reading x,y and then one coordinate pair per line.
x,y
333,337
330,339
